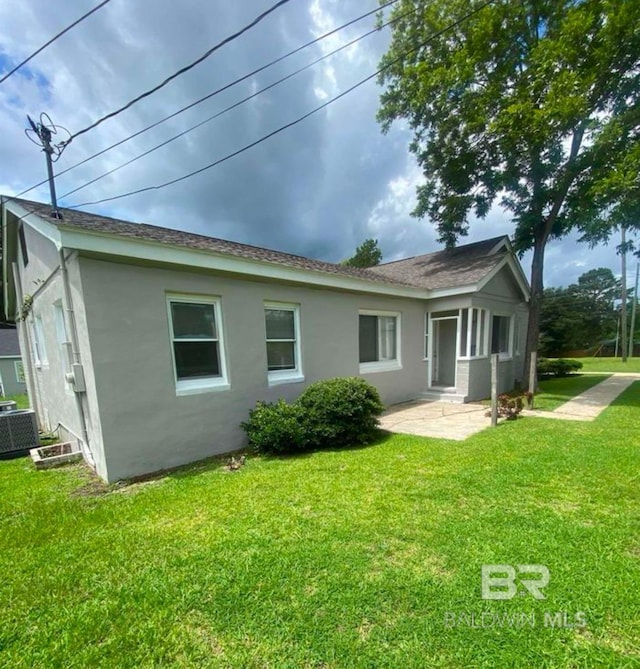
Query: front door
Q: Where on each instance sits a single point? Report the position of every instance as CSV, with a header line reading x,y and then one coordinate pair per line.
x,y
443,366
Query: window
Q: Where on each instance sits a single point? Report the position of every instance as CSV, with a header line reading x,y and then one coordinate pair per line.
x,y
40,352
62,341
23,245
198,353
426,335
464,326
473,332
379,337
500,335
19,367
283,344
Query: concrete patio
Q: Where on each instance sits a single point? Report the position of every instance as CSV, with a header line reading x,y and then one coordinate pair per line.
x,y
442,420
445,420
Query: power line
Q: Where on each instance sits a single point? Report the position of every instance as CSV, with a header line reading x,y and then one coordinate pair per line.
x,y
212,94
292,123
237,104
182,70
53,39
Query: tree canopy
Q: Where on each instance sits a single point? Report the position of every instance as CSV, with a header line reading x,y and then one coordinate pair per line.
x,y
532,104
367,254
581,316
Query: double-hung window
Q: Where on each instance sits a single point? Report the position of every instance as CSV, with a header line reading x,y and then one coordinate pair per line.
x,y
501,335
197,344
379,341
282,325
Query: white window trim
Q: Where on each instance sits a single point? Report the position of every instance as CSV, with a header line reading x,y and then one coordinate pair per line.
x,y
482,313
208,383
282,376
40,348
504,357
427,336
63,344
384,365
16,365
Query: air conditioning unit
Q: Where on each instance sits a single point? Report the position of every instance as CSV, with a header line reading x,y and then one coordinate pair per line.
x,y
18,431
8,405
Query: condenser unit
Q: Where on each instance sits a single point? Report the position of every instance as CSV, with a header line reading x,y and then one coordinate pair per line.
x,y
18,431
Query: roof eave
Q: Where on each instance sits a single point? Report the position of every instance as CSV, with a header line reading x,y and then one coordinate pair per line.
x,y
130,247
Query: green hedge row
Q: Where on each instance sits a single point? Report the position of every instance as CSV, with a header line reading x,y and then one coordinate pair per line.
x,y
559,367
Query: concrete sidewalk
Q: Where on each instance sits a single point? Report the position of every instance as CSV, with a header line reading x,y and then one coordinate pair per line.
x,y
591,403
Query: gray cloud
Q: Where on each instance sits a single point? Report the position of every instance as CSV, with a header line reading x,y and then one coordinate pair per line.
x,y
318,189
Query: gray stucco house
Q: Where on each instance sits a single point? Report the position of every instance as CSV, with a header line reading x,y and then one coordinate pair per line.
x,y
150,345
12,378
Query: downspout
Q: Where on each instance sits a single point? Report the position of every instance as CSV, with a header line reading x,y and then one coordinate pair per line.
x,y
76,376
22,325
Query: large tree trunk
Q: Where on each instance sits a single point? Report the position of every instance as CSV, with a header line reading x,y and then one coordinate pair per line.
x,y
535,305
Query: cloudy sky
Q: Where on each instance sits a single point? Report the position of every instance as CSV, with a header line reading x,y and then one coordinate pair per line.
x,y
318,189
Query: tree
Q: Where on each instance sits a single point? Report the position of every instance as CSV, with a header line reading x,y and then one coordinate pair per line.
x,y
534,104
367,254
581,316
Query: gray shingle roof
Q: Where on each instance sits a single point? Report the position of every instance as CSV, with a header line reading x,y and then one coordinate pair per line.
x,y
461,266
9,344
104,224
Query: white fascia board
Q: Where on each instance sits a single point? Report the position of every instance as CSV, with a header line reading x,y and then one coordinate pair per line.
x,y
7,275
106,244
516,270
503,243
34,221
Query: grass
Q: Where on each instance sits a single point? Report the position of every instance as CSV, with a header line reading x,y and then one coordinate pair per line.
x,y
554,392
340,559
22,401
609,365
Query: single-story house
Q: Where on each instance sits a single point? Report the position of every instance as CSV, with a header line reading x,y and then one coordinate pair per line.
x,y
11,369
151,345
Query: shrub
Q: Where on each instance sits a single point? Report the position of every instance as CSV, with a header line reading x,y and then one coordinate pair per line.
x,y
335,412
276,428
340,411
559,367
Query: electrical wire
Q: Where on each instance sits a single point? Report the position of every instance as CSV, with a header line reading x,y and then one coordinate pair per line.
x,y
236,104
292,123
210,95
182,70
53,39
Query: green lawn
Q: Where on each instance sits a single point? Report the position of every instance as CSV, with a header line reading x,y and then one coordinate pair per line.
x,y
22,401
556,391
609,365
353,558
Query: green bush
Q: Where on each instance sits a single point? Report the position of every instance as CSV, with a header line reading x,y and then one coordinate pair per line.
x,y
340,412
276,428
331,413
559,367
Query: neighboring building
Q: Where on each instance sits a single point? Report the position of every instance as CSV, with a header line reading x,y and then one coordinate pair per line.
x,y
11,367
151,345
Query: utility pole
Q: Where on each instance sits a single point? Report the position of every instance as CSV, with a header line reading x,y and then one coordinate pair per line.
x,y
623,314
44,132
633,312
